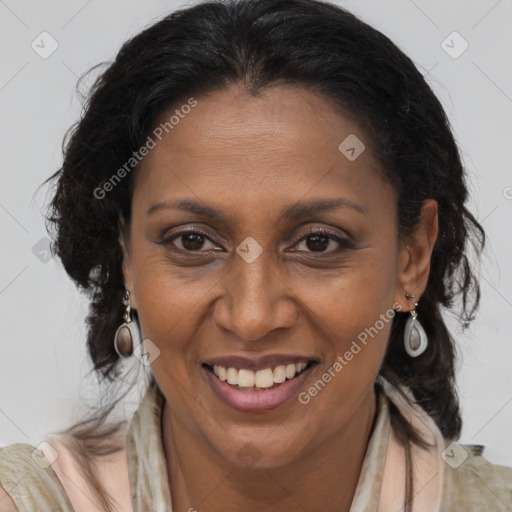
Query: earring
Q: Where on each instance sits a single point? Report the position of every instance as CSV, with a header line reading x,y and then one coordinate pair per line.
x,y
415,337
128,334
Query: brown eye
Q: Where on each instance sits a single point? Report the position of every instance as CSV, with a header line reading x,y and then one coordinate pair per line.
x,y
321,241
192,241
189,241
317,243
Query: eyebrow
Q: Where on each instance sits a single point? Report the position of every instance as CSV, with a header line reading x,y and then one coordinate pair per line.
x,y
296,211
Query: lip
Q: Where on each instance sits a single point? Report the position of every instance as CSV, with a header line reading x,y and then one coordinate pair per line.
x,y
257,401
257,363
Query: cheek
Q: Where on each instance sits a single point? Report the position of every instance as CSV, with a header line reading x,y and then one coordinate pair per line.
x,y
170,304
352,299
353,312
354,335
358,329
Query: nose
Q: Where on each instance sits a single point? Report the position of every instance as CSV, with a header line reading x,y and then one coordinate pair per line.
x,y
255,299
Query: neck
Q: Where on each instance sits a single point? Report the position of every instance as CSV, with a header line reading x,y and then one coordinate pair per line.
x,y
325,478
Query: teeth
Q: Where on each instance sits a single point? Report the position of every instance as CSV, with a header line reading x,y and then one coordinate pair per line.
x,y
290,370
262,379
279,374
246,378
232,376
223,373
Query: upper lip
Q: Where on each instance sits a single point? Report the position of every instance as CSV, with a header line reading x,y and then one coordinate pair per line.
x,y
257,363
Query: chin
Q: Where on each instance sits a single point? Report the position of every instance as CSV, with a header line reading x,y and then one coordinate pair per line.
x,y
264,456
263,448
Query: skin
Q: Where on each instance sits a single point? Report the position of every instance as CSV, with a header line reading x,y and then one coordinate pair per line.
x,y
250,157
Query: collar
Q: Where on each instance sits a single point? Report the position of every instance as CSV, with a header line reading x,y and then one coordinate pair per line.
x,y
147,468
381,484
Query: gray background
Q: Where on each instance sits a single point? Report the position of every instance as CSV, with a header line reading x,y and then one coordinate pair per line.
x,y
43,362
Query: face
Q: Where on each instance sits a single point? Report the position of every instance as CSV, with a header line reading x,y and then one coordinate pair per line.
x,y
270,280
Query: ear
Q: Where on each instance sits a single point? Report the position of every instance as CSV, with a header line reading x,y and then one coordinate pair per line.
x,y
415,255
127,265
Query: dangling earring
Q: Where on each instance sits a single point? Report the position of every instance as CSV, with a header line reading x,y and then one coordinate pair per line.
x,y
128,334
415,337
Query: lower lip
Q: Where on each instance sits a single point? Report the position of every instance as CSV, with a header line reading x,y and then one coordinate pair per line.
x,y
257,401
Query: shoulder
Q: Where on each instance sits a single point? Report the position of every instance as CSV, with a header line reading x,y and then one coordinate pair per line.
x,y
6,502
472,483
28,479
51,476
84,468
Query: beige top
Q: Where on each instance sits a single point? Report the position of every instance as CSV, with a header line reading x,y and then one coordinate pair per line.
x,y
472,484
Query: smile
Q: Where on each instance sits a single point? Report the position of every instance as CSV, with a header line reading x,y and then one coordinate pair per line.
x,y
257,390
268,378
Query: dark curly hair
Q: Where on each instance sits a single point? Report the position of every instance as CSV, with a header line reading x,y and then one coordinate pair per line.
x,y
260,44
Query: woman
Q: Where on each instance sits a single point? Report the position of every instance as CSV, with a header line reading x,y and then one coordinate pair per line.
x,y
267,205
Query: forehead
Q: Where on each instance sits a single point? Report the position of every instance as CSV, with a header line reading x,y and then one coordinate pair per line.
x,y
278,146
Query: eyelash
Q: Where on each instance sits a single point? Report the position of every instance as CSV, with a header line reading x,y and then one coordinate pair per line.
x,y
343,242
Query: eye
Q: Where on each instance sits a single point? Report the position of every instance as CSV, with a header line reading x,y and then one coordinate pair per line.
x,y
318,240
190,240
